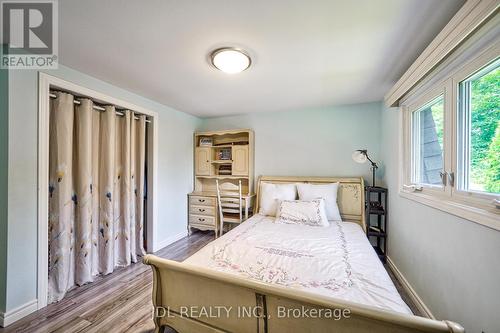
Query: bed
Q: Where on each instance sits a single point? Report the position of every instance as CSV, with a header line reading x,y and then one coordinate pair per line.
x,y
269,277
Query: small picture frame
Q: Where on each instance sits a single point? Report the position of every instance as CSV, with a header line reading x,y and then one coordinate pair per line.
x,y
224,154
206,141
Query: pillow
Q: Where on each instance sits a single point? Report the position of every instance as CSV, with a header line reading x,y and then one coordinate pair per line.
x,y
328,192
302,212
270,194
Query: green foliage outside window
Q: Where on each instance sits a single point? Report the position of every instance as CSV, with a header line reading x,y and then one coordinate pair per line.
x,y
438,116
485,140
492,172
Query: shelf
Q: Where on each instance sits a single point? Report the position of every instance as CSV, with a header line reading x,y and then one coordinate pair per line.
x,y
227,145
222,146
377,189
223,177
376,205
376,233
376,211
222,162
375,228
226,157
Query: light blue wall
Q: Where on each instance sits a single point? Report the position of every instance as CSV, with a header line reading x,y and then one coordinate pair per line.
x,y
174,172
452,263
4,154
312,142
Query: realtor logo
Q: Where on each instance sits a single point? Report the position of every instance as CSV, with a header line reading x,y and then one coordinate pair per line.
x,y
29,34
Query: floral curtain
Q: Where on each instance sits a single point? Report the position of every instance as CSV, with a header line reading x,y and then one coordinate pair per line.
x,y
96,191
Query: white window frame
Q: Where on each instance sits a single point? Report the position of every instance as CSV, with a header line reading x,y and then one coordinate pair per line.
x,y
476,206
470,70
415,105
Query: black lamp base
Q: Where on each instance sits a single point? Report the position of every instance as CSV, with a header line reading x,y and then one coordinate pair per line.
x,y
374,169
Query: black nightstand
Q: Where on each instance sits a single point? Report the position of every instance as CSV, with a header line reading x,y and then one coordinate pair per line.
x,y
376,219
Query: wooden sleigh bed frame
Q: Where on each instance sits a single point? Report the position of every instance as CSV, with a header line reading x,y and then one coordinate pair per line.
x,y
181,289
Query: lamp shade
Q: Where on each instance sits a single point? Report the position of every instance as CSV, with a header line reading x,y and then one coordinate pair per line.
x,y
359,156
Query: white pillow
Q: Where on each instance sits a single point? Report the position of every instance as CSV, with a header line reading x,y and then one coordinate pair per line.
x,y
302,212
271,194
328,192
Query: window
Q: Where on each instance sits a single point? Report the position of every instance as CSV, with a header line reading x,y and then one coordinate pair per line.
x,y
451,142
427,143
479,131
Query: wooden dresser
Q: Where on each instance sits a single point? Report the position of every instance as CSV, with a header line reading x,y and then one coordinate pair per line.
x,y
202,211
229,157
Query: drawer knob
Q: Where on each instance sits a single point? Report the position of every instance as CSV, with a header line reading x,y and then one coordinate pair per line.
x,y
200,219
201,210
201,200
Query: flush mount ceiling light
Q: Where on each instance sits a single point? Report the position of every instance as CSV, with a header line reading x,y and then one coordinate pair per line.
x,y
230,60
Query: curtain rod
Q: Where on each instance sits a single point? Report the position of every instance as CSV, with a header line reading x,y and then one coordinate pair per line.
x,y
98,108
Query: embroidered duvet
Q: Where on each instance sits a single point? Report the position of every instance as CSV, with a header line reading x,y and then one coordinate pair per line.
x,y
335,261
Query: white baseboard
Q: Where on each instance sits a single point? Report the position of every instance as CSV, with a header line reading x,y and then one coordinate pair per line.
x,y
424,310
14,315
166,242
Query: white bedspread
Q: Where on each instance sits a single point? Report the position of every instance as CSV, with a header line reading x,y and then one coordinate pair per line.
x,y
335,261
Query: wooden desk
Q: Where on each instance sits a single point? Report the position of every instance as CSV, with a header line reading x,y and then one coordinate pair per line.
x,y
203,210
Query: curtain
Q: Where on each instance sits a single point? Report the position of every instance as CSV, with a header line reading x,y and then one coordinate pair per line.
x,y
96,191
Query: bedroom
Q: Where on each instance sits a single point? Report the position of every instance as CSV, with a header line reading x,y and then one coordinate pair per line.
x,y
133,98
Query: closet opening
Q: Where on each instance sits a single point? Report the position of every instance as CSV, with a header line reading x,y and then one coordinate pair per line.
x,y
97,158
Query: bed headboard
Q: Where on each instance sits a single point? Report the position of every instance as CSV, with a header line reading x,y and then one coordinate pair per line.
x,y
351,194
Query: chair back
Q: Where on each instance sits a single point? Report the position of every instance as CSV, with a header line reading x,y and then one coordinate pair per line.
x,y
229,202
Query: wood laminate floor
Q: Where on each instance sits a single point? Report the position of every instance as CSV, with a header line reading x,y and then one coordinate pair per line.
x,y
118,302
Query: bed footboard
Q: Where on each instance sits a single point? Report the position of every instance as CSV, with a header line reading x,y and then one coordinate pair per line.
x,y
194,299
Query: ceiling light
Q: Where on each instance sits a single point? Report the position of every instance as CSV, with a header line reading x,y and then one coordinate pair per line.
x,y
230,60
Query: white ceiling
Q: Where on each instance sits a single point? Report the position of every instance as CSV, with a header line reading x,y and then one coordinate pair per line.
x,y
305,54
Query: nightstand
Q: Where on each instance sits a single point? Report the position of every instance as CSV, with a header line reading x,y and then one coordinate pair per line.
x,y
376,219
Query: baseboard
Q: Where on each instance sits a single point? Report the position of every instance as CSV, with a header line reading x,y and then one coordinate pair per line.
x,y
166,242
14,315
410,291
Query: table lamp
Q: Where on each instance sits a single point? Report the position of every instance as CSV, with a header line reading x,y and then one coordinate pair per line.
x,y
361,156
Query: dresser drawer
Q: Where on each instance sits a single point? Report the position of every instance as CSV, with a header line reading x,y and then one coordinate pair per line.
x,y
201,201
201,219
202,210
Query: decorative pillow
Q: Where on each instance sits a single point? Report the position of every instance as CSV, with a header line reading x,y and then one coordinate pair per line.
x,y
271,194
328,192
302,212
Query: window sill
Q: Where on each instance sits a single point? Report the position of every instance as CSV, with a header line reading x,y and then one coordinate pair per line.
x,y
482,216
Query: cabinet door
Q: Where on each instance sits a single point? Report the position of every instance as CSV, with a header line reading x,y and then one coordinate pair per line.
x,y
202,161
240,160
